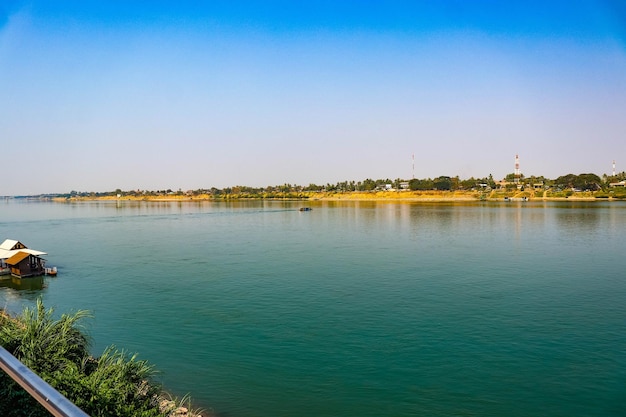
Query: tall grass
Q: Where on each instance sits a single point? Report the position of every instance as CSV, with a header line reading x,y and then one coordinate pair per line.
x,y
115,384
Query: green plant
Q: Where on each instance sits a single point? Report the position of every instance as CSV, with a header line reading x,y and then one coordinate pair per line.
x,y
44,344
115,384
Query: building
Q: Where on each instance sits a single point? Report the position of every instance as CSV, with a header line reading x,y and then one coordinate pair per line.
x,y
23,265
16,259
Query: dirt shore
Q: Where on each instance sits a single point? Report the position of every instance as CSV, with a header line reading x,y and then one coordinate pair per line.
x,y
407,196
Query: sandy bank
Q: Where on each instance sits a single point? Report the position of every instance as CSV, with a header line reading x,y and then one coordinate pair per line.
x,y
406,196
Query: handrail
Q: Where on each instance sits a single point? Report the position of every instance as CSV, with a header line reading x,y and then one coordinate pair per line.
x,y
51,399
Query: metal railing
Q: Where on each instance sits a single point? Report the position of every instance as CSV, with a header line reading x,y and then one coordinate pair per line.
x,y
51,399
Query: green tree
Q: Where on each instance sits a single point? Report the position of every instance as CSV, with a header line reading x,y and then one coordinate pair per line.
x,y
582,182
588,181
313,187
368,184
469,183
421,185
443,183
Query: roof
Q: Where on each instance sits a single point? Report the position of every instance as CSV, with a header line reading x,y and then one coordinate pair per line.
x,y
17,258
5,254
8,249
8,244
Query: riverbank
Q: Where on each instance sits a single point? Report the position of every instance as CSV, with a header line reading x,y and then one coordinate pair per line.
x,y
42,344
404,195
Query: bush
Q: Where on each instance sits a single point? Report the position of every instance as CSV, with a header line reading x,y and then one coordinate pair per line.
x,y
115,384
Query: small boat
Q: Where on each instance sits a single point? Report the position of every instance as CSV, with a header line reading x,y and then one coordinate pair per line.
x,y
305,209
51,271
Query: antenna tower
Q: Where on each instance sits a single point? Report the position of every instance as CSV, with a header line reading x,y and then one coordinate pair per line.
x,y
614,167
414,166
517,172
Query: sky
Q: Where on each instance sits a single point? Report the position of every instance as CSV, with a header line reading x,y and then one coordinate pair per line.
x,y
101,95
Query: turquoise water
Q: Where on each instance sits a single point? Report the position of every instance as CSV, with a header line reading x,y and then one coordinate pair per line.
x,y
352,309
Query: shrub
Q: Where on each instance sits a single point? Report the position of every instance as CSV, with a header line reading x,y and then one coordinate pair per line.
x,y
115,384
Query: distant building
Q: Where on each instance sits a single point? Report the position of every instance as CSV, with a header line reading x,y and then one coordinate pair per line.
x,y
385,187
618,184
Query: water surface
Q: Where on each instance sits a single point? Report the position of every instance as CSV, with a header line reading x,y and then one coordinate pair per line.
x,y
354,308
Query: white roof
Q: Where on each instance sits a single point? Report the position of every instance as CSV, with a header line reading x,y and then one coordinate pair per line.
x,y
8,244
6,252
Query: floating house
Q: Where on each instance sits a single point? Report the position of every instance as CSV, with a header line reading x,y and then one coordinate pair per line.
x,y
16,259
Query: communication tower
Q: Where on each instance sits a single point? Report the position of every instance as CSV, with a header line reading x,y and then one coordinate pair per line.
x,y
413,158
517,171
614,167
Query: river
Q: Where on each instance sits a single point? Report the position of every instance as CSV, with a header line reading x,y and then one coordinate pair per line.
x,y
352,309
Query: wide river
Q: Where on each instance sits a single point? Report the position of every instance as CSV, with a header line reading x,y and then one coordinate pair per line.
x,y
352,309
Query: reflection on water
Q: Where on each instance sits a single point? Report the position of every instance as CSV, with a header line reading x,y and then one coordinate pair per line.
x,y
578,219
22,284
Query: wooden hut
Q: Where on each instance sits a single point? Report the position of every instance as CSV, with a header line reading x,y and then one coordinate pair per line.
x,y
24,264
10,248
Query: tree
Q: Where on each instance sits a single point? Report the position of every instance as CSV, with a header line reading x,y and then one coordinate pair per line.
x,y
454,183
369,184
512,177
421,185
468,184
565,181
589,182
313,187
581,182
442,183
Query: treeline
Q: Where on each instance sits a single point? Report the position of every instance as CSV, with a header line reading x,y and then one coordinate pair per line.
x,y
114,384
582,182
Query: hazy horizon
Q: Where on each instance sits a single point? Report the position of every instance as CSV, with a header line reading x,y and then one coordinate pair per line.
x,y
100,95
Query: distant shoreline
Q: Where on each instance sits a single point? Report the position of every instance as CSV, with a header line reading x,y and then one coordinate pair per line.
x,y
391,196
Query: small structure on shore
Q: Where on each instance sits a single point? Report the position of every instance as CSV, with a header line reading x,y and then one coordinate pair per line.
x,y
16,259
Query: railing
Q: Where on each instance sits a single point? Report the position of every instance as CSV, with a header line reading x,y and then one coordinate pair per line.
x,y
51,399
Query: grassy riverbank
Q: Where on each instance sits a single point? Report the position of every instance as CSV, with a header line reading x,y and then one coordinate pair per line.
x,y
114,384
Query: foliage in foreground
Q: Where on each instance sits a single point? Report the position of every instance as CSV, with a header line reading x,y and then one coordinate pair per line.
x,y
115,384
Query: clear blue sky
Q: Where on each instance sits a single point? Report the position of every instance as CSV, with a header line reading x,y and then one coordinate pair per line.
x,y
99,95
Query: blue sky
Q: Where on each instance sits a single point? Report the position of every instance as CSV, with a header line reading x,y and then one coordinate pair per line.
x,y
99,95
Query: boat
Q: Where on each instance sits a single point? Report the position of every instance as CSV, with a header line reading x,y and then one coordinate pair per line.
x,y
51,271
305,209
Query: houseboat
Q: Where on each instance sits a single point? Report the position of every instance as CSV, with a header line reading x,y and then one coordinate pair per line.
x,y
19,261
